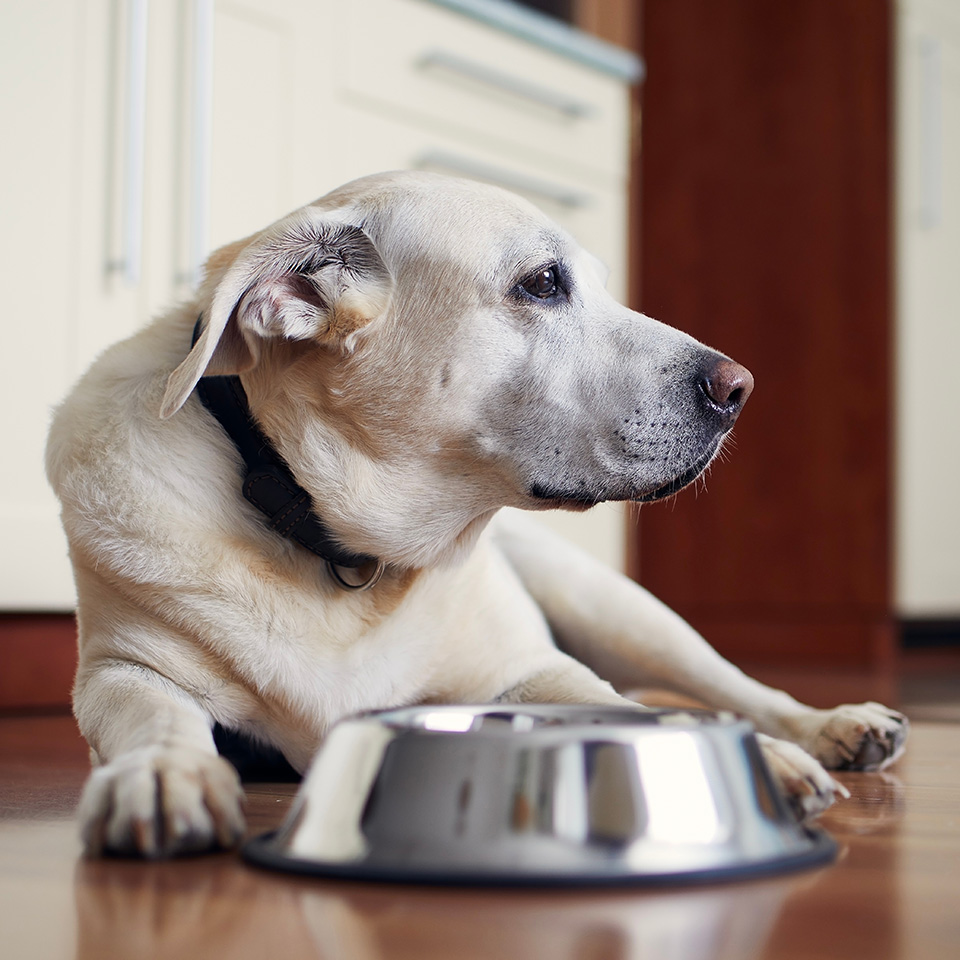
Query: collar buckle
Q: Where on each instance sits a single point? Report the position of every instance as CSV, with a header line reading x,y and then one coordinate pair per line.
x,y
378,566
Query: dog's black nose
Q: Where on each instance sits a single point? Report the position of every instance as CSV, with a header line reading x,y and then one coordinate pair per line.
x,y
726,386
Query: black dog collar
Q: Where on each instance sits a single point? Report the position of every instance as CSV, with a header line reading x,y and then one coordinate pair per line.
x,y
269,485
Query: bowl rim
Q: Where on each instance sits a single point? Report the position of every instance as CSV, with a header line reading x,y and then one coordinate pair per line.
x,y
611,721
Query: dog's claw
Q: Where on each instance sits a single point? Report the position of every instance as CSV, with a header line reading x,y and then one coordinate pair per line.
x,y
806,786
161,801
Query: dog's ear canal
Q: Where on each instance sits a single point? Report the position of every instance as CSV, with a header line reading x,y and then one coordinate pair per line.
x,y
318,286
307,278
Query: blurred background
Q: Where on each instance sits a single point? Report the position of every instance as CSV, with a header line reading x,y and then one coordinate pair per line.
x,y
780,180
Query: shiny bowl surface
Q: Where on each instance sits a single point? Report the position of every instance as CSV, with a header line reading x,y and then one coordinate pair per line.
x,y
540,795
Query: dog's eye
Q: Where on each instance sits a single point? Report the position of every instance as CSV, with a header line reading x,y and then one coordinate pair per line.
x,y
542,284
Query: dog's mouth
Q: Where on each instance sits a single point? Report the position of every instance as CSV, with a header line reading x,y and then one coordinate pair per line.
x,y
554,498
685,478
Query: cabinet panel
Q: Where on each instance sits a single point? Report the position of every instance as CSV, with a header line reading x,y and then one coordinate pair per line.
x,y
41,72
294,110
470,80
595,215
766,232
928,307
109,300
273,137
250,122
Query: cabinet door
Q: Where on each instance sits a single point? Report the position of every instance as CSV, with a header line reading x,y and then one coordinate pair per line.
x,y
593,211
236,91
766,233
61,59
117,47
102,196
928,309
437,68
270,136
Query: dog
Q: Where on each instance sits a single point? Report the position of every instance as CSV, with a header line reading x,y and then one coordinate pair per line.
x,y
284,503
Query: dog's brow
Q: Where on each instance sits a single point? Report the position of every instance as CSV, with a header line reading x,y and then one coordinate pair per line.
x,y
541,249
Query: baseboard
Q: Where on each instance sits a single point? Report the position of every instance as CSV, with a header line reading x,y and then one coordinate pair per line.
x,y
926,633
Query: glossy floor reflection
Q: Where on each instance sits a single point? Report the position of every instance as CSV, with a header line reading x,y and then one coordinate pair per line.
x,y
894,892
177,915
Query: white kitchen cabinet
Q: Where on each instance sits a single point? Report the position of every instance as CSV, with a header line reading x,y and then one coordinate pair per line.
x,y
61,250
594,213
101,195
244,110
447,72
82,269
928,309
40,70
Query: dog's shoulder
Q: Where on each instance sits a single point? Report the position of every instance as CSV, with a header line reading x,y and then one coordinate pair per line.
x,y
115,399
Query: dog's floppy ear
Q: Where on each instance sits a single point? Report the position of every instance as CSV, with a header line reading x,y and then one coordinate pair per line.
x,y
310,277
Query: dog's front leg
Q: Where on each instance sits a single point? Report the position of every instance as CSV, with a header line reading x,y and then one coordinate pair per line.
x,y
624,633
160,788
630,638
806,785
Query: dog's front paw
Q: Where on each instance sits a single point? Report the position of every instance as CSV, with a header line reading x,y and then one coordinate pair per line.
x,y
808,788
161,801
862,736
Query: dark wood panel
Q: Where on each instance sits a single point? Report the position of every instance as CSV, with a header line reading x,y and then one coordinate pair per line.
x,y
38,657
765,176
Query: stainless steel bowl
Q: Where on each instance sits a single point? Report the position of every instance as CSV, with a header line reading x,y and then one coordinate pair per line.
x,y
540,794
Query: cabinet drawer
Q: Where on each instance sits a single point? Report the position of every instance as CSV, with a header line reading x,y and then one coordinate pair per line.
x,y
423,64
595,214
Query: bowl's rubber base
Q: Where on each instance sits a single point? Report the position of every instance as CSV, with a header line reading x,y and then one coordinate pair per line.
x,y
262,853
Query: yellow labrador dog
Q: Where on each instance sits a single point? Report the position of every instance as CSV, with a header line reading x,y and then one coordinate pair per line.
x,y
288,511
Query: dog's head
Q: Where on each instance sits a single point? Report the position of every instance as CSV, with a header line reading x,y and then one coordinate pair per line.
x,y
424,351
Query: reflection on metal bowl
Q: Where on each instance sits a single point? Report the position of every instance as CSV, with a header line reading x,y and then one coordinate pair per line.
x,y
540,795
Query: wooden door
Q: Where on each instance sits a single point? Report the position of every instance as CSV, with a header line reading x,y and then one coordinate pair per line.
x,y
766,232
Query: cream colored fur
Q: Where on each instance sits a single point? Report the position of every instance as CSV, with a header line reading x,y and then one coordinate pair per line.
x,y
391,351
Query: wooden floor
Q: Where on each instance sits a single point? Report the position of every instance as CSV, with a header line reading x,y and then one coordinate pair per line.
x,y
894,893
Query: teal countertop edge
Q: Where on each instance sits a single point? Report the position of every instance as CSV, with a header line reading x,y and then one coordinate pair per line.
x,y
545,31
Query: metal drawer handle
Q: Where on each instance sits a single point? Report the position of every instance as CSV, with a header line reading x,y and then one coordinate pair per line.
x,y
501,177
133,147
507,83
201,137
931,134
